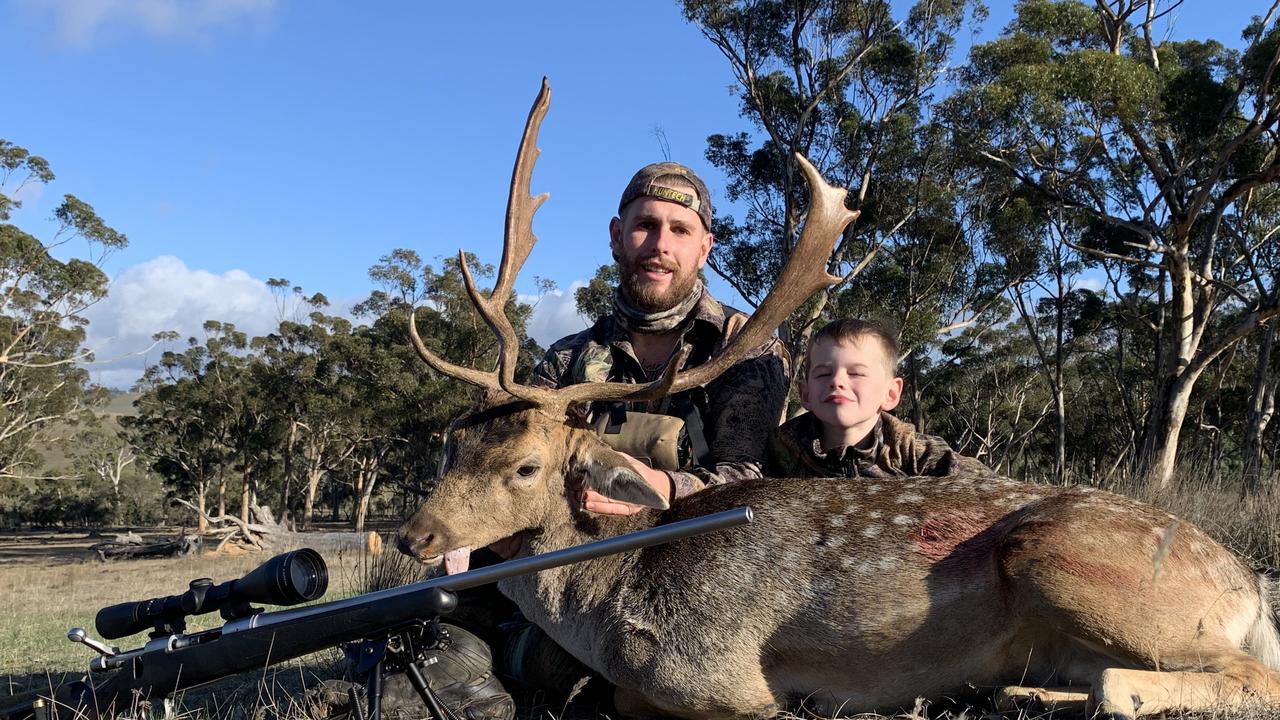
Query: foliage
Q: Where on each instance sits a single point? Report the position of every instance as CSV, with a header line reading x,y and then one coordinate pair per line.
x,y
41,301
1148,148
321,409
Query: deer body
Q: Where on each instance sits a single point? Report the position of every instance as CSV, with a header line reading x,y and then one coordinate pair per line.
x,y
855,595
849,594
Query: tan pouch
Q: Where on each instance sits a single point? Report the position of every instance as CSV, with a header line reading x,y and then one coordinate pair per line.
x,y
660,441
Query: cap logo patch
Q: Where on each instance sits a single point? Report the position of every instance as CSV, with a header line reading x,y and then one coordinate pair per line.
x,y
675,196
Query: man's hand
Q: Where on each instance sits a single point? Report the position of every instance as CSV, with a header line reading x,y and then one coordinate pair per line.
x,y
594,502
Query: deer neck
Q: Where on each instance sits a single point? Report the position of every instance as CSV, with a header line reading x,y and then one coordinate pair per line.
x,y
571,602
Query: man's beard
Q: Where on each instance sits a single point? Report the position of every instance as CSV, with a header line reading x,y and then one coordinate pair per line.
x,y
648,297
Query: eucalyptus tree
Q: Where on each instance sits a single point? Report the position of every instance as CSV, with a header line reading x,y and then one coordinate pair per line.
x,y
42,301
850,87
291,372
1255,232
987,397
1150,144
401,409
186,417
103,455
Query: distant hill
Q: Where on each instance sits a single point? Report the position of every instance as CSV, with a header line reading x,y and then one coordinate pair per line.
x,y
120,404
56,460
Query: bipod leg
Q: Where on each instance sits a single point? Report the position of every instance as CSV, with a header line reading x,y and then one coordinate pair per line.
x,y
357,710
373,692
419,683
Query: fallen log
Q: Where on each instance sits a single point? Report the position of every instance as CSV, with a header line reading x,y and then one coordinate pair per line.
x,y
266,533
132,547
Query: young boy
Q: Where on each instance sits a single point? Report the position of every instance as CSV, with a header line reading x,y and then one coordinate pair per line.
x,y
850,385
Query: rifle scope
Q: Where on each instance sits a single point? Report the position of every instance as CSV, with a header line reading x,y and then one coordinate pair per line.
x,y
286,579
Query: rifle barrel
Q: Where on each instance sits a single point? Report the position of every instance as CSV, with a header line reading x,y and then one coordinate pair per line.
x,y
501,571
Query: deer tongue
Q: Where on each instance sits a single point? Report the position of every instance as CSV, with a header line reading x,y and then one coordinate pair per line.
x,y
456,561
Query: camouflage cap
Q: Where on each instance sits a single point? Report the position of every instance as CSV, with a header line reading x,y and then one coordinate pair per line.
x,y
647,183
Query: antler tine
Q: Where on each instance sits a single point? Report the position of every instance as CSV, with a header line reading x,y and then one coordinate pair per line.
x,y
444,367
804,274
517,245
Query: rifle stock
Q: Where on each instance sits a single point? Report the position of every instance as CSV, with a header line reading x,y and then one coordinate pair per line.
x,y
169,664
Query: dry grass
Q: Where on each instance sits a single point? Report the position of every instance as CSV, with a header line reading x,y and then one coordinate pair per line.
x,y
40,600
1248,524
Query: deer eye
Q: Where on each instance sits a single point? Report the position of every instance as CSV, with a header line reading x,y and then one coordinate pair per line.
x,y
527,471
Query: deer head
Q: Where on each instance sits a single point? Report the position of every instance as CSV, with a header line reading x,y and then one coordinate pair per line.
x,y
522,450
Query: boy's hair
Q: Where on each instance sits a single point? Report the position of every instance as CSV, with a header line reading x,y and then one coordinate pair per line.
x,y
854,329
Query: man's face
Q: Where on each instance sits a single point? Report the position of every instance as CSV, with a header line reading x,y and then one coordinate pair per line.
x,y
849,383
659,246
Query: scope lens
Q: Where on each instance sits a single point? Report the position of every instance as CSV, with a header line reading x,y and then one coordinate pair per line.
x,y
308,576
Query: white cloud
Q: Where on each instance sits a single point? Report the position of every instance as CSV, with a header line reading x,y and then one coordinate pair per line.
x,y
78,21
555,315
1088,283
164,294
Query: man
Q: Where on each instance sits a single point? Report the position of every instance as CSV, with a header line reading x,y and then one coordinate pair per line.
x,y
660,240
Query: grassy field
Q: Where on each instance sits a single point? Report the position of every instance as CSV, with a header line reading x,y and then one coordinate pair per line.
x,y
48,584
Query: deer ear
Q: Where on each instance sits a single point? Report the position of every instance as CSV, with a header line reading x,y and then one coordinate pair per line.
x,y
609,474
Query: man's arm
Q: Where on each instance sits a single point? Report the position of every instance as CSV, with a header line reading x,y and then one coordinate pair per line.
x,y
743,407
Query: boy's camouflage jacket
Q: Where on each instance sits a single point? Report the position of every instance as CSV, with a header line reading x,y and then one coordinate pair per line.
x,y
893,449
739,409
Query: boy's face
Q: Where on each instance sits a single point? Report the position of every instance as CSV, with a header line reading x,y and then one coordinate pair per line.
x,y
849,383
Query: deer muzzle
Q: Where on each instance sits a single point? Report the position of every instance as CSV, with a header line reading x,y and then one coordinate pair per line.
x,y
423,537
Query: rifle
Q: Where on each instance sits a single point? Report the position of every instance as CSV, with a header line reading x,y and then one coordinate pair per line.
x,y
397,626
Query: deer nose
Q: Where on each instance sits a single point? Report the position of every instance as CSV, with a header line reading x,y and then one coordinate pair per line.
x,y
414,547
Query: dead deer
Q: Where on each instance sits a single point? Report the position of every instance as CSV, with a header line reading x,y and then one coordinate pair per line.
x,y
846,594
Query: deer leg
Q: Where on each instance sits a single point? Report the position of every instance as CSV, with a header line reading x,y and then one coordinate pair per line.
x,y
1121,693
726,689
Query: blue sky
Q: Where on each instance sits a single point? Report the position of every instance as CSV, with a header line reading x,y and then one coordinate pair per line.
x,y
238,140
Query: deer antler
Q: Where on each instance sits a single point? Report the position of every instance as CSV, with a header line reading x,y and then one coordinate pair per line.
x,y
804,273
519,241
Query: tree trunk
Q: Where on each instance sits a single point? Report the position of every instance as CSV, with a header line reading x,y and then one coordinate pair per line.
x,y
917,396
314,474
246,489
1059,397
1262,407
367,476
222,491
1160,447
286,489
202,522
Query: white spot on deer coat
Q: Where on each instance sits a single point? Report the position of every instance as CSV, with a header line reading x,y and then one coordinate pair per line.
x,y
902,520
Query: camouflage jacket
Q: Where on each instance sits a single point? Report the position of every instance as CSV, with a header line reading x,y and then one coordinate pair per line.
x,y
893,449
739,409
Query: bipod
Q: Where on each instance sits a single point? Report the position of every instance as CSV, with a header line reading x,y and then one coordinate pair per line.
x,y
409,649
